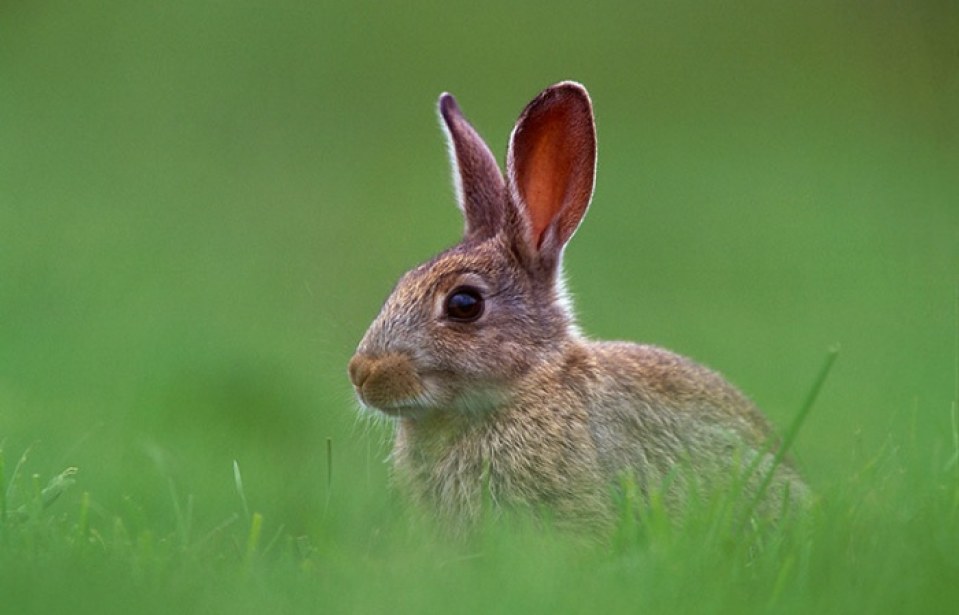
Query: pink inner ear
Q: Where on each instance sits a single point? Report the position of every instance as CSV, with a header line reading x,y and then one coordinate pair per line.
x,y
544,195
554,157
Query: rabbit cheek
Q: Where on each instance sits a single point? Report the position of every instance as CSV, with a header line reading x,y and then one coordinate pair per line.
x,y
387,382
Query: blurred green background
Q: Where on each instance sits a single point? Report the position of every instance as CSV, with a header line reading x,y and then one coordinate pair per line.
x,y
203,204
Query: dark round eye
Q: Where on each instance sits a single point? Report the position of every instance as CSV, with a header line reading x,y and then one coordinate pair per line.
x,y
464,304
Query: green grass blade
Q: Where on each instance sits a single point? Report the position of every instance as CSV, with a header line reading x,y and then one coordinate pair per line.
x,y
252,540
11,484
83,522
238,482
793,431
57,485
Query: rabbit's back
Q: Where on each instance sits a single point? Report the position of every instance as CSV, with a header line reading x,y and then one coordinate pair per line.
x,y
658,414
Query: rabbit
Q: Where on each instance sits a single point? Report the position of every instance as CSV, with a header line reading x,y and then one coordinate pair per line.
x,y
499,400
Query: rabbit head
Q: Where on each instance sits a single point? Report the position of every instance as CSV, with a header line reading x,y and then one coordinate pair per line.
x,y
458,330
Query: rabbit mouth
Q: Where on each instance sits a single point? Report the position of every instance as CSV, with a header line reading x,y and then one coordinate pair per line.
x,y
393,403
402,410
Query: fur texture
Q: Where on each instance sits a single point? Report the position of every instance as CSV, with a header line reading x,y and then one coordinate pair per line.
x,y
517,401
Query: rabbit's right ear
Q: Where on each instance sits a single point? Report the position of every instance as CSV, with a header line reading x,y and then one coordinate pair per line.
x,y
480,187
551,164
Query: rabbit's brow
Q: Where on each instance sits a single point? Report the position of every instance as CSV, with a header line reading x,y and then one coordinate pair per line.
x,y
461,271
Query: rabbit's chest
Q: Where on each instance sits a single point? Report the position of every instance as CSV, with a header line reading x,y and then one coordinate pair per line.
x,y
511,464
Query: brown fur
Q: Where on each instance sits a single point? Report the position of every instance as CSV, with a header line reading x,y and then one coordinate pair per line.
x,y
518,402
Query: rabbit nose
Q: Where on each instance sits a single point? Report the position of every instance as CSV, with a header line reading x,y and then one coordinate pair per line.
x,y
360,368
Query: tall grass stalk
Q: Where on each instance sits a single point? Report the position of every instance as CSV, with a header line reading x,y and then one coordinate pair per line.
x,y
12,481
252,540
238,483
83,522
791,433
184,520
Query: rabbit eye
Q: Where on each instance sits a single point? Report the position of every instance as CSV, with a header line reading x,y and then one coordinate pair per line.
x,y
464,304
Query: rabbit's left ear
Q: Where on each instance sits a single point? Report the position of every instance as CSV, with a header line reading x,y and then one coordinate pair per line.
x,y
551,165
480,188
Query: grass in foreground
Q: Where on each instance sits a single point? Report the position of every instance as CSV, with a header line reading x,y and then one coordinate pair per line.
x,y
884,537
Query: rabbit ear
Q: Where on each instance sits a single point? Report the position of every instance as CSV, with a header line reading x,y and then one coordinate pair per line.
x,y
551,165
480,188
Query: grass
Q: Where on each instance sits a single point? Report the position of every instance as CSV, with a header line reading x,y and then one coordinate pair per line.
x,y
883,538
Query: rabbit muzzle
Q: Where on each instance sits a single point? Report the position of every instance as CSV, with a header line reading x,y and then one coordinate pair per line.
x,y
387,382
